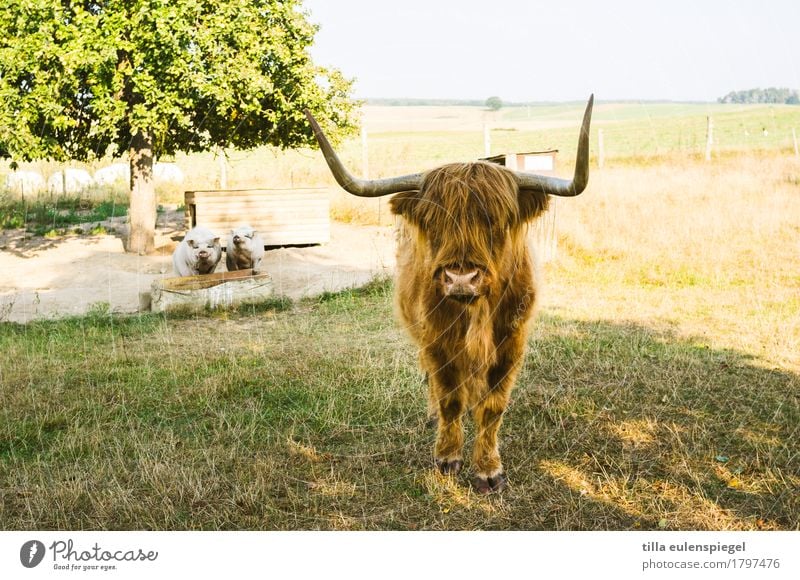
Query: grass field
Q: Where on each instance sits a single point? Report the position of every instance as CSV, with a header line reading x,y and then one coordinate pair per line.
x,y
661,388
411,139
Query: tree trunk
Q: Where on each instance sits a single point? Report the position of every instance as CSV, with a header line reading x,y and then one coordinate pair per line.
x,y
142,213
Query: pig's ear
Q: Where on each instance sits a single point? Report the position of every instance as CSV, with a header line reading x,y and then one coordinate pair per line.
x,y
216,241
192,244
253,235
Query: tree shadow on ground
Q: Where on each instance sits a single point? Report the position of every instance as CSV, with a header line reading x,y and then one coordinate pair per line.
x,y
24,244
647,429
612,426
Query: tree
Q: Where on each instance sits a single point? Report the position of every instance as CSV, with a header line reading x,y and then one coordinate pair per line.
x,y
494,103
84,79
755,96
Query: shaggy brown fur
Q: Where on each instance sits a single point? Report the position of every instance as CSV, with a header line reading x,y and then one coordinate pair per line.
x,y
472,215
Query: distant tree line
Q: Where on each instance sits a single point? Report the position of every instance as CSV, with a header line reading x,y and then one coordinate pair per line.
x,y
770,95
423,102
413,102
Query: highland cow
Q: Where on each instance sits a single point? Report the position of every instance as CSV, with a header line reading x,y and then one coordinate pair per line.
x,y
466,288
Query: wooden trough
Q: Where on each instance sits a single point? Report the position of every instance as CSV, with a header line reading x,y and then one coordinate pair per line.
x,y
210,291
283,217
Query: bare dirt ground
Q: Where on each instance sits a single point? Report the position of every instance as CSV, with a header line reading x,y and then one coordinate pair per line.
x,y
56,277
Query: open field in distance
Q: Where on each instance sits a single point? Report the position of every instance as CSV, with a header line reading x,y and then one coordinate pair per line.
x,y
410,139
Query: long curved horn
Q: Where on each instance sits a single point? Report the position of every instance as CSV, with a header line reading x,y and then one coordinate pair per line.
x,y
563,187
361,187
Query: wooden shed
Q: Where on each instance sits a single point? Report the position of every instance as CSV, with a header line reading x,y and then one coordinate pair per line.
x,y
543,163
283,217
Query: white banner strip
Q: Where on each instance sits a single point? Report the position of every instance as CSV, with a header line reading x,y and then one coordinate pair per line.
x,y
378,555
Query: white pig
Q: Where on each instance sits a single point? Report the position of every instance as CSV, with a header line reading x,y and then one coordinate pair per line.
x,y
198,253
245,249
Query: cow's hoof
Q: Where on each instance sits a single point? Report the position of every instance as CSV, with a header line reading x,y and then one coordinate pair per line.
x,y
451,467
487,485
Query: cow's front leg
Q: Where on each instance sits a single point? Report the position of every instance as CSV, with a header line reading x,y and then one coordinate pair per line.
x,y
486,463
433,405
488,415
450,434
448,397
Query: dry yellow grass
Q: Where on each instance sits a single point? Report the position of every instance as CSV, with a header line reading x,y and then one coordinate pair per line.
x,y
723,238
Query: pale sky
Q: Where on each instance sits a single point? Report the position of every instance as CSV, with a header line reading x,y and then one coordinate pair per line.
x,y
534,50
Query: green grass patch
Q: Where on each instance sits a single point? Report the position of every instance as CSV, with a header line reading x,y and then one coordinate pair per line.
x,y
55,215
312,416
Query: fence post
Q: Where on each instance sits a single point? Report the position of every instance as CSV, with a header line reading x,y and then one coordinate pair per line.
x,y
794,139
601,154
364,153
223,169
709,137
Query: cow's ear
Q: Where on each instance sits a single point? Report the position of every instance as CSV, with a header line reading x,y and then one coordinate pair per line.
x,y
532,205
405,203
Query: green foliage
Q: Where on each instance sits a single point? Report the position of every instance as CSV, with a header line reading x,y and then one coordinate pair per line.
x,y
79,79
758,96
52,216
12,214
494,103
378,287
